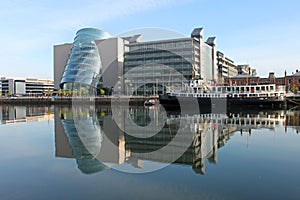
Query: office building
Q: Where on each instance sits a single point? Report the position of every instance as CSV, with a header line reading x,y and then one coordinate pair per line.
x,y
226,67
26,86
147,64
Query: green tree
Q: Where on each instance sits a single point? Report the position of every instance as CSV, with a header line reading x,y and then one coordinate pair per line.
x,y
69,92
49,93
102,92
294,89
85,91
74,92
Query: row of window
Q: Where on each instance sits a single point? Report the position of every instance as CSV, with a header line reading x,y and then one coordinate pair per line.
x,y
157,54
166,45
82,66
159,60
242,82
290,81
160,70
81,54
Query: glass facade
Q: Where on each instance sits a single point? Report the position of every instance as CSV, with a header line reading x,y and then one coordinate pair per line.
x,y
83,68
84,146
147,65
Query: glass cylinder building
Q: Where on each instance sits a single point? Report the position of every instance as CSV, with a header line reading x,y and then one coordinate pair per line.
x,y
83,69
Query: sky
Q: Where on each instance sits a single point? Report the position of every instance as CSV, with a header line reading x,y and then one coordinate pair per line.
x,y
262,33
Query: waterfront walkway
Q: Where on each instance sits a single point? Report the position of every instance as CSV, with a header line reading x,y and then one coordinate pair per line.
x,y
105,100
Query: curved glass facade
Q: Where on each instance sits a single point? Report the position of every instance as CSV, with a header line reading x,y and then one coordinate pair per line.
x,y
83,68
85,147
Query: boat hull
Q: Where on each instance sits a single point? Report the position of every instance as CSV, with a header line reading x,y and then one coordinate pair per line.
x,y
174,101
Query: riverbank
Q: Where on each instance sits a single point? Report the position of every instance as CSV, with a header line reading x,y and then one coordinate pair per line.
x,y
133,101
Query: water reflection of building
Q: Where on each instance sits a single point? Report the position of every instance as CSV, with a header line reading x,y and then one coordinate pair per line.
x,y
293,120
14,114
79,134
209,132
202,147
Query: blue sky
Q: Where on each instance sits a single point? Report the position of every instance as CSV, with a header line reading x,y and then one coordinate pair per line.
x,y
264,34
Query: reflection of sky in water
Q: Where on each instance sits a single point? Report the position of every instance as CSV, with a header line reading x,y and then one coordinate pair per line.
x,y
264,164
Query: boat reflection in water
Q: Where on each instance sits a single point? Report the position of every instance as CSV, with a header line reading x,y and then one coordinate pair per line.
x,y
102,143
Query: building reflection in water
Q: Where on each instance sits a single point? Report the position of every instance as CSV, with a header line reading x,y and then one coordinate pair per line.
x,y
209,133
17,113
79,134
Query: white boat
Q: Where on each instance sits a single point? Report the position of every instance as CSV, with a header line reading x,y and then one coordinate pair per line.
x,y
209,94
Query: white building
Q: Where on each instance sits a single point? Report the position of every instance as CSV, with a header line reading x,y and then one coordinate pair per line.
x,y
226,67
26,86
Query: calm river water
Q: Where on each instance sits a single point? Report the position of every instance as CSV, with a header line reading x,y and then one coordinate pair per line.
x,y
87,152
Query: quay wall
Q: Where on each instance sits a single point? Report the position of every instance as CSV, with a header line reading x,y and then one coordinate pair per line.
x,y
134,101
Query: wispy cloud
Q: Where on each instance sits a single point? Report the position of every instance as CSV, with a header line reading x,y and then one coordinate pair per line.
x,y
30,28
97,12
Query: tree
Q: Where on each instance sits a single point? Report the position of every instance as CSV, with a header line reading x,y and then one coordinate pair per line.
x,y
69,92
102,92
85,92
74,92
49,93
294,89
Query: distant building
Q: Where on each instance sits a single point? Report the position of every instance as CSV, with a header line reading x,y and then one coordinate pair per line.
x,y
292,82
246,69
26,86
226,67
149,63
242,79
